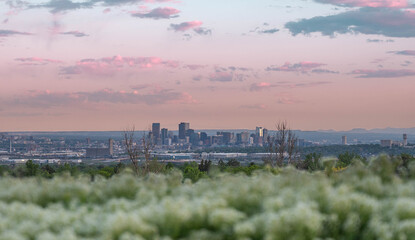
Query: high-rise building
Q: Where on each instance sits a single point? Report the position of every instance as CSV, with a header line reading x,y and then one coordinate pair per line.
x,y
183,127
227,137
344,140
259,131
190,132
265,134
164,136
245,137
259,135
194,138
238,138
203,137
155,129
405,140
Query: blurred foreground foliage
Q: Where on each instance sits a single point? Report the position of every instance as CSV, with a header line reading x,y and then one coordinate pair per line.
x,y
368,199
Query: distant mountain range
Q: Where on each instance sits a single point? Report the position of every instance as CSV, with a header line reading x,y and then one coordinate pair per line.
x,y
388,130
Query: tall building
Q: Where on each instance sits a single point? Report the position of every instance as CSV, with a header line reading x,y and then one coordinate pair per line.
x,y
265,134
259,135
183,127
155,129
405,140
164,136
344,140
203,136
259,131
245,137
190,132
194,138
227,137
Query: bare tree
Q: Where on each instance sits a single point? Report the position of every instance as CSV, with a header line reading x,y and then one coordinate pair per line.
x,y
292,149
283,142
142,149
271,150
133,150
280,142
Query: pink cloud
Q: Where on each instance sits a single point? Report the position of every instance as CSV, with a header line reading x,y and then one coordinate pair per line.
x,y
49,99
74,33
383,73
157,13
110,65
106,10
301,67
369,3
256,87
184,26
286,98
8,33
405,52
194,66
390,22
259,86
36,61
221,77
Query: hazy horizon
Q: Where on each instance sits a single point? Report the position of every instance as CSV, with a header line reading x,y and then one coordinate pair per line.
x,y
202,129
106,64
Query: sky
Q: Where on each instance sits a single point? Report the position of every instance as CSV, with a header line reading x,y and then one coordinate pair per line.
x,y
98,65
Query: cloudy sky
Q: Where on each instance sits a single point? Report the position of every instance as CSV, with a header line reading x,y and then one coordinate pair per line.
x,y
109,64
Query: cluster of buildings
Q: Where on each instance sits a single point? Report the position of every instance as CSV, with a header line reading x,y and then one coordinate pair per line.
x,y
387,142
391,143
168,144
95,152
187,136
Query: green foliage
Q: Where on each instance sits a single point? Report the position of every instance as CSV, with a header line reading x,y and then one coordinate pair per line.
x,y
192,172
312,162
221,165
205,165
345,159
31,168
233,163
362,202
248,170
71,169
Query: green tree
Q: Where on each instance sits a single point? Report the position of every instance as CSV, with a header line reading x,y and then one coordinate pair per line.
x,y
221,165
204,165
345,159
118,168
47,171
192,172
169,166
233,163
312,162
31,168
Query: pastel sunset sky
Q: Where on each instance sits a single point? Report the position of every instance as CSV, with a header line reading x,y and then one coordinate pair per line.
x,y
109,64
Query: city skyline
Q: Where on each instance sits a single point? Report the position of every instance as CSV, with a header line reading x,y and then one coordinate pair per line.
x,y
318,64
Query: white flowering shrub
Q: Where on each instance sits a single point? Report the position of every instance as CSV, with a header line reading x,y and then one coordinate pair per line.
x,y
361,202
